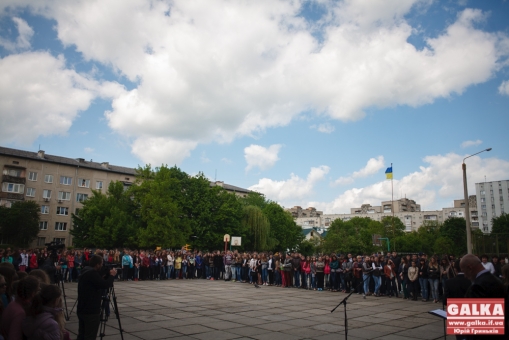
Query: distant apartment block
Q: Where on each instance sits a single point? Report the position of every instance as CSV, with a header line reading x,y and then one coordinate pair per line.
x,y
407,210
492,201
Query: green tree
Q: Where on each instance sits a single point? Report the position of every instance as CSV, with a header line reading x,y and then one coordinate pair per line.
x,y
500,231
392,227
258,227
454,229
107,220
19,224
255,199
284,232
443,245
354,236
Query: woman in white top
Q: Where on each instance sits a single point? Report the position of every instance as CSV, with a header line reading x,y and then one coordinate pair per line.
x,y
170,264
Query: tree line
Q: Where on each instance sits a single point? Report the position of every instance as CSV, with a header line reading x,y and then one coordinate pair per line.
x,y
168,208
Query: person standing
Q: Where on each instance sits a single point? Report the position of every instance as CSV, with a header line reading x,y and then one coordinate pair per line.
x,y
413,276
90,290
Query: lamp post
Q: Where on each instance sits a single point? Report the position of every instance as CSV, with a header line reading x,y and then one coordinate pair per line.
x,y
467,205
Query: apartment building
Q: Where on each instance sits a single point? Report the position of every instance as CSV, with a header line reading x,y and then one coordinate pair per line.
x,y
407,210
492,201
58,184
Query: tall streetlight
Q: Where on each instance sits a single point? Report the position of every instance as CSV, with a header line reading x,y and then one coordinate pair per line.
x,y
467,205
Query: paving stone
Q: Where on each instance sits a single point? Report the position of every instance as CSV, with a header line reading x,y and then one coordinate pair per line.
x,y
155,334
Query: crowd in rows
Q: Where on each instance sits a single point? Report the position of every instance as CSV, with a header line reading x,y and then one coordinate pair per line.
x,y
25,288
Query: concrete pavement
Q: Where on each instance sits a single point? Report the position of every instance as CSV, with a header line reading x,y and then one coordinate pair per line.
x,y
202,309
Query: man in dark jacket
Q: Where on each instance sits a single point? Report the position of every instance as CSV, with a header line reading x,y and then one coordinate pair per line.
x,y
90,288
484,285
296,270
458,286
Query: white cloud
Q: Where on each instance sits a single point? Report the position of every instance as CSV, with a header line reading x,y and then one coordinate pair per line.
x,y
160,150
216,70
260,157
441,180
226,160
88,150
25,33
469,143
372,167
204,158
504,88
324,128
38,96
292,188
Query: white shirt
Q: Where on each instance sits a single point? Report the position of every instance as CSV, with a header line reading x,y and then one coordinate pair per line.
x,y
489,266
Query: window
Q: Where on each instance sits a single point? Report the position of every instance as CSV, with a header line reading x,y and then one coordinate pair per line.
x,y
43,225
48,178
493,206
499,191
99,185
32,176
59,240
483,206
483,192
13,172
81,197
64,195
44,209
62,211
60,226
83,183
483,200
31,192
491,192
41,241
13,187
65,180
46,193
501,198
485,213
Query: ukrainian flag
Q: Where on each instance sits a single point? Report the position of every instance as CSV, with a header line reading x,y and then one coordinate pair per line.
x,y
388,173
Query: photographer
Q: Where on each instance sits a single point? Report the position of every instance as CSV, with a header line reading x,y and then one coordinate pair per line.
x,y
90,288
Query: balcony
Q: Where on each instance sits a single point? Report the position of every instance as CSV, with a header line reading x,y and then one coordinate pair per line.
x,y
13,179
12,196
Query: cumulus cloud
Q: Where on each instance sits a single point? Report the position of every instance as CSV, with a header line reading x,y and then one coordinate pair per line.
x,y
372,167
39,96
260,157
324,128
440,180
469,143
88,150
216,70
292,188
25,33
504,88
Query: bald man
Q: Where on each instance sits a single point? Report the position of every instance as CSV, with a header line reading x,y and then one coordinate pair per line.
x,y
484,284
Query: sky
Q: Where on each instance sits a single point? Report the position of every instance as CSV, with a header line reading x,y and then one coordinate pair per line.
x,y
307,102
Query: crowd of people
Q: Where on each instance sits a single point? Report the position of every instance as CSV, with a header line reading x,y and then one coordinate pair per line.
x,y
25,288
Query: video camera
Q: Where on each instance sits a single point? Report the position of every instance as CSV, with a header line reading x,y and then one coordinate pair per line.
x,y
105,270
54,246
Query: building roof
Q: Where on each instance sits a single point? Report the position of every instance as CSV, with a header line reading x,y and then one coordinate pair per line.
x,y
67,161
306,231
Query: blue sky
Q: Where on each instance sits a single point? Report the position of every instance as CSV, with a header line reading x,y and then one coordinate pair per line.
x,y
307,102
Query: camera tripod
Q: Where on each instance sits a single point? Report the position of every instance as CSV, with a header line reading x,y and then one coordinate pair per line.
x,y
109,298
60,283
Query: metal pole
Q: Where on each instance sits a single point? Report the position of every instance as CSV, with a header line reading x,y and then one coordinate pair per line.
x,y
467,210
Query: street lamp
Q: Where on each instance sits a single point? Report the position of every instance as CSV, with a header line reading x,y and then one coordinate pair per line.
x,y
467,206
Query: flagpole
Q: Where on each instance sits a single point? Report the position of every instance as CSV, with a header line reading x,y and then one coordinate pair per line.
x,y
392,201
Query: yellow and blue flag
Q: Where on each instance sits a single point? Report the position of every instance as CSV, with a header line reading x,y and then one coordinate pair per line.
x,y
388,173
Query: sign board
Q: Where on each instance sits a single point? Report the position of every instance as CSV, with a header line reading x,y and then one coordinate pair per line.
x,y
376,240
236,241
226,238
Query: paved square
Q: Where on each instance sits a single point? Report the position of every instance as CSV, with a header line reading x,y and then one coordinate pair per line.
x,y
201,309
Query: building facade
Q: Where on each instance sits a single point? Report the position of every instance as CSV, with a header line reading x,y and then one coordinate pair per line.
x,y
492,201
58,184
